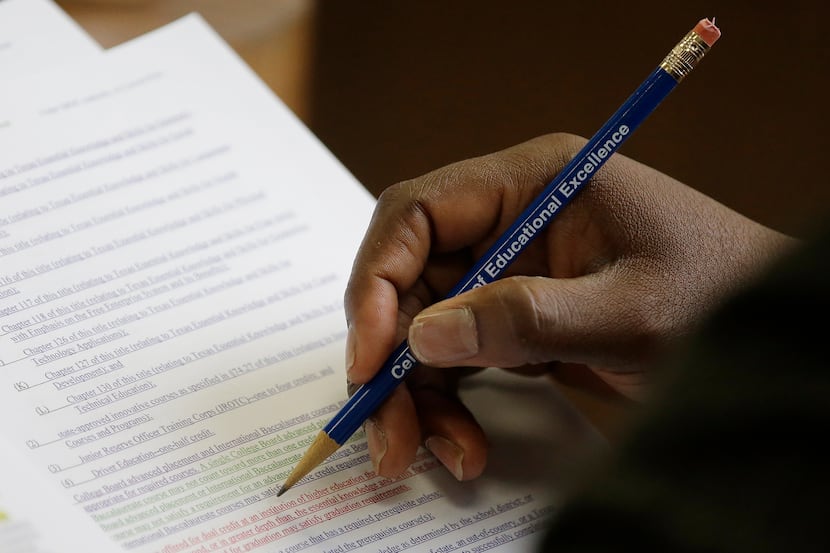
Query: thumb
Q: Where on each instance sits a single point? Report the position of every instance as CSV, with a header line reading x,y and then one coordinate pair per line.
x,y
529,320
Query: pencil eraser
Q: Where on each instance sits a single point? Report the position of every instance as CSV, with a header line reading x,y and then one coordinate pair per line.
x,y
707,30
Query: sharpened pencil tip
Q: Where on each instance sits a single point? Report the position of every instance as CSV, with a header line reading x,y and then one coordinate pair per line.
x,y
318,451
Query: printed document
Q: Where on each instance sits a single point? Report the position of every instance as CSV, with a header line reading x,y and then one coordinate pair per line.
x,y
35,34
174,248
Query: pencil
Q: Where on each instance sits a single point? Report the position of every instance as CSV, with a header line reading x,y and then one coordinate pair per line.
x,y
559,192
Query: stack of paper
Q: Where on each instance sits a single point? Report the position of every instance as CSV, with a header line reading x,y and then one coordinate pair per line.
x,y
174,247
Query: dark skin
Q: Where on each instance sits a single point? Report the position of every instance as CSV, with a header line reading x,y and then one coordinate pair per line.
x,y
628,267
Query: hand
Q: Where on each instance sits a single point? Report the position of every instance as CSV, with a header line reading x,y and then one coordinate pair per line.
x,y
629,266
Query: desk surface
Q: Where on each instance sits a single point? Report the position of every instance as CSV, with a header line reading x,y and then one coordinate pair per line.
x,y
274,38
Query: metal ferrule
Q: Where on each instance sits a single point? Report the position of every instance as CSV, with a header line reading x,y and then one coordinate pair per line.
x,y
683,57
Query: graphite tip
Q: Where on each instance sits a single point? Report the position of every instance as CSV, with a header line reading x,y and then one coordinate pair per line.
x,y
320,449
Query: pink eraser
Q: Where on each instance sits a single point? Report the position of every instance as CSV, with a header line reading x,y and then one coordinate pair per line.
x,y
707,30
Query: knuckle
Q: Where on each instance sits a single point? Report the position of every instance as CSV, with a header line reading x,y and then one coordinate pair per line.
x,y
541,158
394,194
531,323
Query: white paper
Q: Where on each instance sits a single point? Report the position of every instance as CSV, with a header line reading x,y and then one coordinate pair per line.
x,y
174,247
35,517
35,34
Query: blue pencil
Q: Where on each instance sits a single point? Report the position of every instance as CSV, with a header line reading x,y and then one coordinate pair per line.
x,y
533,220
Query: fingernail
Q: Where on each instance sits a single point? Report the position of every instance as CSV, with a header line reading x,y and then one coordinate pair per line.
x,y
376,439
450,455
350,339
351,388
444,336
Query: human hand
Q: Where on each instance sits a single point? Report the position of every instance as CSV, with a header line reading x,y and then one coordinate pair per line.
x,y
632,264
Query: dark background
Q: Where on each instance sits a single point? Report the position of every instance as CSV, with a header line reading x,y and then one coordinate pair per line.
x,y
400,88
